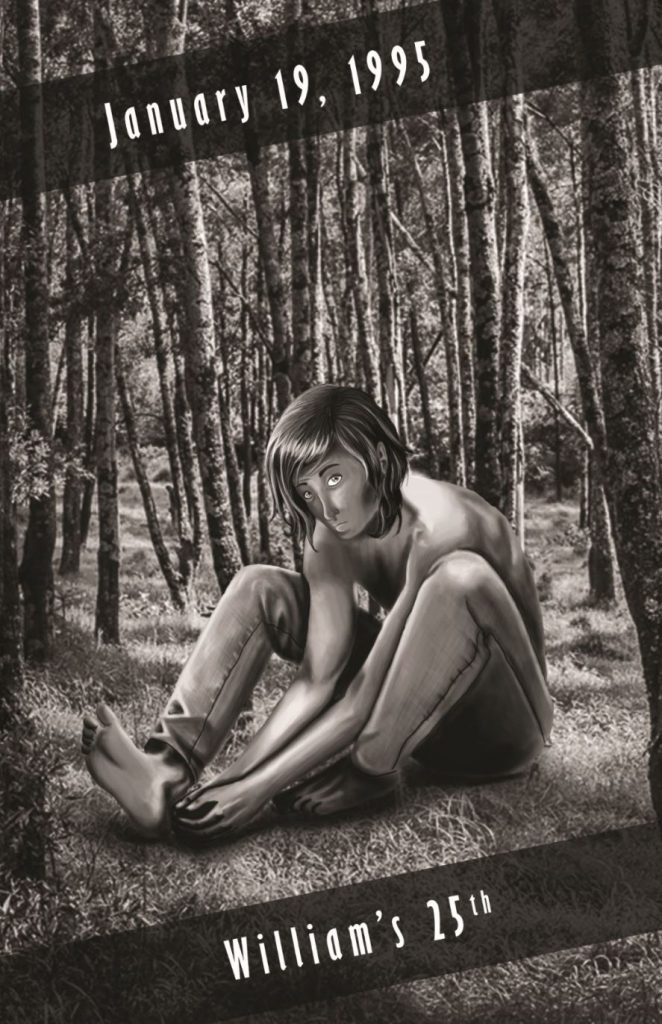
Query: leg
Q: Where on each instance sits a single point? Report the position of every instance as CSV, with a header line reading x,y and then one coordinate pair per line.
x,y
465,646
263,610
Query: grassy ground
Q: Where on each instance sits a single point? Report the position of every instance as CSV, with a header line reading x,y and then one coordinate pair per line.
x,y
592,779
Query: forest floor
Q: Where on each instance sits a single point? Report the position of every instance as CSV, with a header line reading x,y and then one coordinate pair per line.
x,y
593,778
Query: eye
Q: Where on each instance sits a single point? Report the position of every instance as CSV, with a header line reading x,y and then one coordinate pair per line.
x,y
334,479
307,495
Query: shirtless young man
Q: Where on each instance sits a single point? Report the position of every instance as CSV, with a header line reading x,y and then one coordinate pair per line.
x,y
455,676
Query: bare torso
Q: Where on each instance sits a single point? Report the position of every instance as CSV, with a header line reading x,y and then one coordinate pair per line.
x,y
452,519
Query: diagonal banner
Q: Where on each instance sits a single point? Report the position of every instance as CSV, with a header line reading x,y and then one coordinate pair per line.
x,y
303,949
331,76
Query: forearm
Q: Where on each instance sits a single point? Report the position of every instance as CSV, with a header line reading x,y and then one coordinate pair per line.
x,y
300,704
327,736
340,724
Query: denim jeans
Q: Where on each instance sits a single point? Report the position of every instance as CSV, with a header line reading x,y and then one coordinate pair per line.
x,y
465,693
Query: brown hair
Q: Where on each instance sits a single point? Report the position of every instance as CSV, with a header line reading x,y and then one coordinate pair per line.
x,y
321,418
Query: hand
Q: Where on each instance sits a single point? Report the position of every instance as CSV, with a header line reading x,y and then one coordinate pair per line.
x,y
215,809
422,556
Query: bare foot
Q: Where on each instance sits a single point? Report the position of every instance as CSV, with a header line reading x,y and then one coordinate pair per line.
x,y
337,788
143,784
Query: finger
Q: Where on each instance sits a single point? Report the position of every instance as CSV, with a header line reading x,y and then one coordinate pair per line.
x,y
192,794
209,826
197,813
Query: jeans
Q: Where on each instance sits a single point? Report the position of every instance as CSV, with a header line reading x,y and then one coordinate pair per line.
x,y
465,693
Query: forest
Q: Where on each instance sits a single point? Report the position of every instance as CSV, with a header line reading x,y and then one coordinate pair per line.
x,y
489,272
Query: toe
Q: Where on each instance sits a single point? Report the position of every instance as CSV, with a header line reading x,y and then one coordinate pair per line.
x,y
89,722
106,715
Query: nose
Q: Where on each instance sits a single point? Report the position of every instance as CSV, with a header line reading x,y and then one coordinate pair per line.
x,y
329,510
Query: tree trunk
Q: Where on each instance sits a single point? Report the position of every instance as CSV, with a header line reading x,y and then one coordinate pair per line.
x,y
317,333
245,387
302,371
587,375
107,628
73,345
442,257
263,505
484,256
168,24
464,319
516,232
11,616
632,471
271,263
601,577
388,292
138,200
649,224
357,264
172,577
90,445
36,572
429,432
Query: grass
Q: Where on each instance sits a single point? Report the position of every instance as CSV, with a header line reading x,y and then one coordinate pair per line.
x,y
593,778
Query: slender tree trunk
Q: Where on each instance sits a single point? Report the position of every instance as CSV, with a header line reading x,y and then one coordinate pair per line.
x,y
275,285
444,267
632,470
170,574
484,256
168,20
648,220
36,572
302,370
317,333
90,427
73,345
601,577
245,387
516,232
107,627
139,200
263,505
428,426
11,616
187,452
388,291
463,304
357,264
587,375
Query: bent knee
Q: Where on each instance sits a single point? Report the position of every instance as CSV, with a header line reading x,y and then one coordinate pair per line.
x,y
257,580
462,573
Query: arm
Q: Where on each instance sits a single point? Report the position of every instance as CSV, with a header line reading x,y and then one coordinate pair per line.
x,y
215,809
342,722
331,623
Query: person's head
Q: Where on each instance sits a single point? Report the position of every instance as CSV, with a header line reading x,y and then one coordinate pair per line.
x,y
334,455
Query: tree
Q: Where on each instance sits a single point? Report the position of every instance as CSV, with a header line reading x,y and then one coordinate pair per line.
x,y
36,572
631,459
461,23
73,347
517,226
198,341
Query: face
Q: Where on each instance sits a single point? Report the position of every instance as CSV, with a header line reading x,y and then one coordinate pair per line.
x,y
337,492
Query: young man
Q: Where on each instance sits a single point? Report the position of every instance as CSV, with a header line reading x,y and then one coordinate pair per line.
x,y
455,676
